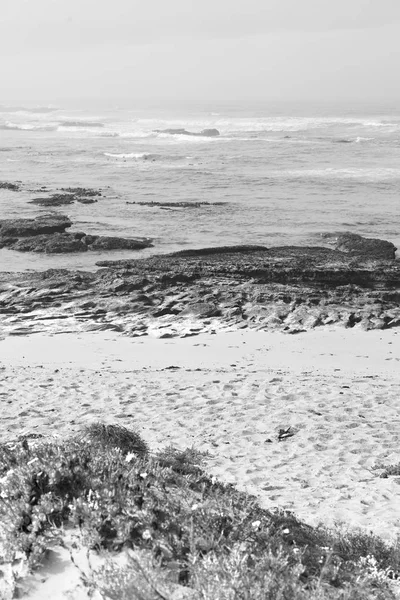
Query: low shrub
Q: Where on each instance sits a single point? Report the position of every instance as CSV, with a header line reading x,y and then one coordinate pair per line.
x,y
200,533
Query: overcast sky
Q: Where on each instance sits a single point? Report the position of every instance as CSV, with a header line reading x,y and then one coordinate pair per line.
x,y
199,51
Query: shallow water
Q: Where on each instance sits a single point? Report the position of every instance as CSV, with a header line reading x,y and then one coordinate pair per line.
x,y
286,178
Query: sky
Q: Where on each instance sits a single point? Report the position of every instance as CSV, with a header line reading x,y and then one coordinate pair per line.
x,y
231,52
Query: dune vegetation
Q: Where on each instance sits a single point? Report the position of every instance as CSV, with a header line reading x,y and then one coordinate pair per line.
x,y
194,533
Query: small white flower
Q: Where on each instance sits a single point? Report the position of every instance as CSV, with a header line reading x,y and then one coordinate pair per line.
x,y
143,475
194,507
256,524
130,456
146,535
286,531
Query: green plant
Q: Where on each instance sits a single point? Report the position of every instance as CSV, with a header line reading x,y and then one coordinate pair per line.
x,y
199,532
116,436
391,470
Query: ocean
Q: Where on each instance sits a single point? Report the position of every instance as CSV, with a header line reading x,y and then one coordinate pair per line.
x,y
285,176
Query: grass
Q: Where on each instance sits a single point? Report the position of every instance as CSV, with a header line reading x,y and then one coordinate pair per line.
x,y
177,525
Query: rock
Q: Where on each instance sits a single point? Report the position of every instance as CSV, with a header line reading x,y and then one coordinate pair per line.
x,y
70,195
86,200
116,243
178,204
368,247
54,200
210,132
50,244
201,310
290,289
82,192
218,251
202,133
27,227
13,187
47,234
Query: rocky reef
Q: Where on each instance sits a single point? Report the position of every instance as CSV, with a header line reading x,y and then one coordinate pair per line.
x,y
68,196
12,187
12,229
48,234
290,289
360,246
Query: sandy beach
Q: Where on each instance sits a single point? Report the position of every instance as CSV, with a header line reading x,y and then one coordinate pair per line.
x,y
230,394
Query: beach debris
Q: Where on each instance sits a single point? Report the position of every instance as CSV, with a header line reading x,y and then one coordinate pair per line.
x,y
284,434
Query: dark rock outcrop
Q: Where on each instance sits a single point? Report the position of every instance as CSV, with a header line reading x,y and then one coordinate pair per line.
x,y
218,250
54,200
360,246
209,132
13,187
101,242
16,228
47,234
202,133
70,195
290,289
82,192
86,200
156,204
55,243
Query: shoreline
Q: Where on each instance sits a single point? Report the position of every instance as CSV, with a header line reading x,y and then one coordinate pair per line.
x,y
337,389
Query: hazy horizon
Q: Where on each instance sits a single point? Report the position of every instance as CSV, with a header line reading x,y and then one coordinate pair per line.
x,y
181,53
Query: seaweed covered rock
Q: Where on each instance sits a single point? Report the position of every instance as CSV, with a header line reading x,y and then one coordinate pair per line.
x,y
54,200
68,196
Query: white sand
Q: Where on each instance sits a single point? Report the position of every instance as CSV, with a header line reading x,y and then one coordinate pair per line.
x,y
338,390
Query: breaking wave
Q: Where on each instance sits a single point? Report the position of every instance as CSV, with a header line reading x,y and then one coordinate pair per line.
x,y
35,110
377,174
8,125
83,124
147,156
136,155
